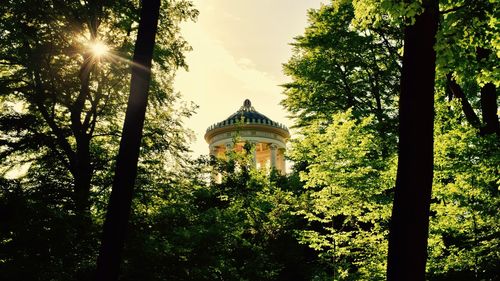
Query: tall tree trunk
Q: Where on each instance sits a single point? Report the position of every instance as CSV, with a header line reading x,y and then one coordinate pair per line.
x,y
118,213
410,214
489,109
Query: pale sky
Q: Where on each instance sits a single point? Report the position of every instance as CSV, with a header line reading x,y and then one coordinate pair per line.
x,y
239,48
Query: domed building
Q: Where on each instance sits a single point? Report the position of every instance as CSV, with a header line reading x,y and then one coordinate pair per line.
x,y
269,137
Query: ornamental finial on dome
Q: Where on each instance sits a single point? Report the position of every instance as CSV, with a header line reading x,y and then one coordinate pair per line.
x,y
247,106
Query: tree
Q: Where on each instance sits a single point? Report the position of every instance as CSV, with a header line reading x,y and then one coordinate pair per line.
x,y
255,210
62,99
58,34
343,99
120,201
345,203
334,37
240,228
410,216
463,235
320,56
329,77
34,62
467,55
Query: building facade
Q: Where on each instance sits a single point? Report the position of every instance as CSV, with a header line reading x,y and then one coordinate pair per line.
x,y
268,138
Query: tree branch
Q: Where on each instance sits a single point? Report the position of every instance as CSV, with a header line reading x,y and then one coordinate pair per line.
x,y
37,99
77,107
457,91
454,9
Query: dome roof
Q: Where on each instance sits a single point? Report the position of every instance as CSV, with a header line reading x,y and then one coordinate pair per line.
x,y
247,115
247,112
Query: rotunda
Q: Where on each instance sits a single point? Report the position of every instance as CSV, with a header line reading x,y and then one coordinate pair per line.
x,y
268,137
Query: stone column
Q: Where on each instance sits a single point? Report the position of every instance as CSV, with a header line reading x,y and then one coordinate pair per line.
x,y
254,154
213,151
282,163
273,148
229,146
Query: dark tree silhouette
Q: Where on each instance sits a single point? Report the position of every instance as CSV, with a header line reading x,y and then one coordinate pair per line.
x,y
488,101
117,217
489,109
410,213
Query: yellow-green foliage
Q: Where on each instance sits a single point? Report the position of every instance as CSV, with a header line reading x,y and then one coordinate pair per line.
x,y
347,201
465,223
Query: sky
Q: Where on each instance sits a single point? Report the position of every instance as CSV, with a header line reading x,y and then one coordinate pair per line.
x,y
239,47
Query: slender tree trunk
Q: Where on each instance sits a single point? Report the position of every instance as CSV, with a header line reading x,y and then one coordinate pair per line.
x,y
82,171
489,105
82,164
82,175
410,214
119,206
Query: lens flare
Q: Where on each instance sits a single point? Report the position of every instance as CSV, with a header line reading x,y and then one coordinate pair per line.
x,y
98,48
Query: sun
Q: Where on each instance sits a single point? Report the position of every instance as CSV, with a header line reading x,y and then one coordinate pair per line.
x,y
98,48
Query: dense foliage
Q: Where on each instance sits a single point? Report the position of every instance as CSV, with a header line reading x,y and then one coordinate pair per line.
x,y
346,152
60,100
220,219
464,239
346,201
62,110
